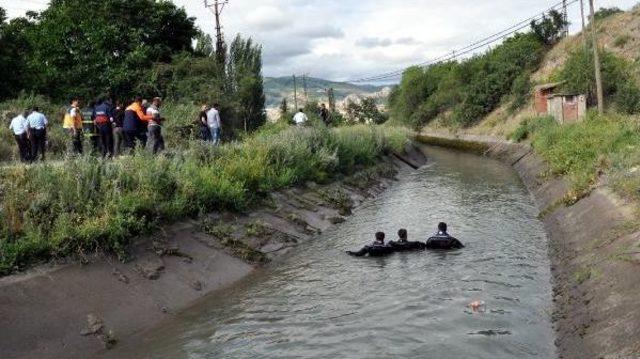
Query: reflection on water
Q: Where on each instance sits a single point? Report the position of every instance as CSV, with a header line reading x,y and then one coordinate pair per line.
x,y
321,303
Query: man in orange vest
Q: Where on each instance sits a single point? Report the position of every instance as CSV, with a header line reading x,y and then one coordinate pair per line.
x,y
72,124
135,124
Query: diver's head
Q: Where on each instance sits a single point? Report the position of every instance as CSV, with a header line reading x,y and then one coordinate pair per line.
x,y
402,234
442,227
380,237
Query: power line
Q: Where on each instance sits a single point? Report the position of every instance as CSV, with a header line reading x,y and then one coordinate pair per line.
x,y
473,46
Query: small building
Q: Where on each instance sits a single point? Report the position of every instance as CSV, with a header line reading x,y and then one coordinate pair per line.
x,y
540,95
567,108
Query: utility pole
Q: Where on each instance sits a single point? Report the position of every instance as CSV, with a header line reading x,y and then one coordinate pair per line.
x,y
596,59
295,93
584,28
304,86
565,17
216,8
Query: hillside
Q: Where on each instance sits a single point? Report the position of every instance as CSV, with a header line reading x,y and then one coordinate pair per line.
x,y
618,34
277,88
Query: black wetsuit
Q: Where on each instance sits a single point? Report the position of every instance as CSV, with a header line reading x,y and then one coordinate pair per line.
x,y
402,246
374,250
443,241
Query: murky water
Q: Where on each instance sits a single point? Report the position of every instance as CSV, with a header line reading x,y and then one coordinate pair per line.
x,y
321,303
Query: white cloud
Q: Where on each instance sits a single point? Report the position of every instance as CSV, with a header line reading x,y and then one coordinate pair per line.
x,y
346,39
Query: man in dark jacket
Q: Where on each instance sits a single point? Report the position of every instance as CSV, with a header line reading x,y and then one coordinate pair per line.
x,y
135,124
102,119
403,244
118,131
377,249
442,239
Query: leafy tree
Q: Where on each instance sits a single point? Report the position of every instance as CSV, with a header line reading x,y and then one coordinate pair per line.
x,y
579,76
605,12
86,47
204,45
244,73
364,111
13,49
550,28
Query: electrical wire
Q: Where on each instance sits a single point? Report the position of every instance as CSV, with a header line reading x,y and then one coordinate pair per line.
x,y
470,47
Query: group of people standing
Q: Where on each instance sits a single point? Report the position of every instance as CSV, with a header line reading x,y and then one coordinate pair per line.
x,y
210,123
114,126
301,119
30,132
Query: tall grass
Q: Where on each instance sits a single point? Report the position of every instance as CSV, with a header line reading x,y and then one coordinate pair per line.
x,y
87,204
601,145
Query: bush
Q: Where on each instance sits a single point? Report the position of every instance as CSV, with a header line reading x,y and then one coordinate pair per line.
x,y
86,204
470,89
530,126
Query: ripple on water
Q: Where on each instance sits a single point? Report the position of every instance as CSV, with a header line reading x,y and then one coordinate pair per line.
x,y
320,303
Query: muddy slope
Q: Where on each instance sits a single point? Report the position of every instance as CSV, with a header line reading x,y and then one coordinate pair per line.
x,y
594,254
76,310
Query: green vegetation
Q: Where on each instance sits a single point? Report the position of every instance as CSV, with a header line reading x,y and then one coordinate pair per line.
x,y
87,204
621,40
122,48
606,12
619,84
461,94
584,151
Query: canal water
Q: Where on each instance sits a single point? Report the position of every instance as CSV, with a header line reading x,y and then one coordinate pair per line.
x,y
321,303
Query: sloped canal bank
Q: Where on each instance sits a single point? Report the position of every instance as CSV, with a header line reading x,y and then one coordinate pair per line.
x,y
317,302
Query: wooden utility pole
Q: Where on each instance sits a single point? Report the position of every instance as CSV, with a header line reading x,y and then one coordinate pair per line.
x,y
304,86
565,17
216,8
596,59
295,93
584,28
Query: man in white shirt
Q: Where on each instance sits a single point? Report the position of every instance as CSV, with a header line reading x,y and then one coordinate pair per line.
x,y
155,130
20,127
300,118
37,133
214,123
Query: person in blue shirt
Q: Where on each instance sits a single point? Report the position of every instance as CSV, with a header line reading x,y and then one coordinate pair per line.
x,y
20,127
37,124
103,118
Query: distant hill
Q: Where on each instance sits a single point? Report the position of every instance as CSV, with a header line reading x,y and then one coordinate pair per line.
x,y
276,88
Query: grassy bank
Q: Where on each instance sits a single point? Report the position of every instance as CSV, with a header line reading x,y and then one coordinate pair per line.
x,y
584,152
87,204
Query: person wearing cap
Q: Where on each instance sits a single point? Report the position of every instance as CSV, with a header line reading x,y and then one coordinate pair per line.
x,y
20,127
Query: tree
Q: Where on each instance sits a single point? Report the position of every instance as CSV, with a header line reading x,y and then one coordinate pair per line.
x,y
204,45
364,110
244,73
13,48
86,47
550,28
332,100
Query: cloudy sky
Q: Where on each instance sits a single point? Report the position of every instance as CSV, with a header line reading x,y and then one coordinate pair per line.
x,y
350,39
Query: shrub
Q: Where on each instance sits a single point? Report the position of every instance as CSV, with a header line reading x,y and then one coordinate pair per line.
x,y
86,204
530,126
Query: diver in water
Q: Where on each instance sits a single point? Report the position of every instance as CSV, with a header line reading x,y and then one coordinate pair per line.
x,y
377,249
442,239
403,244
